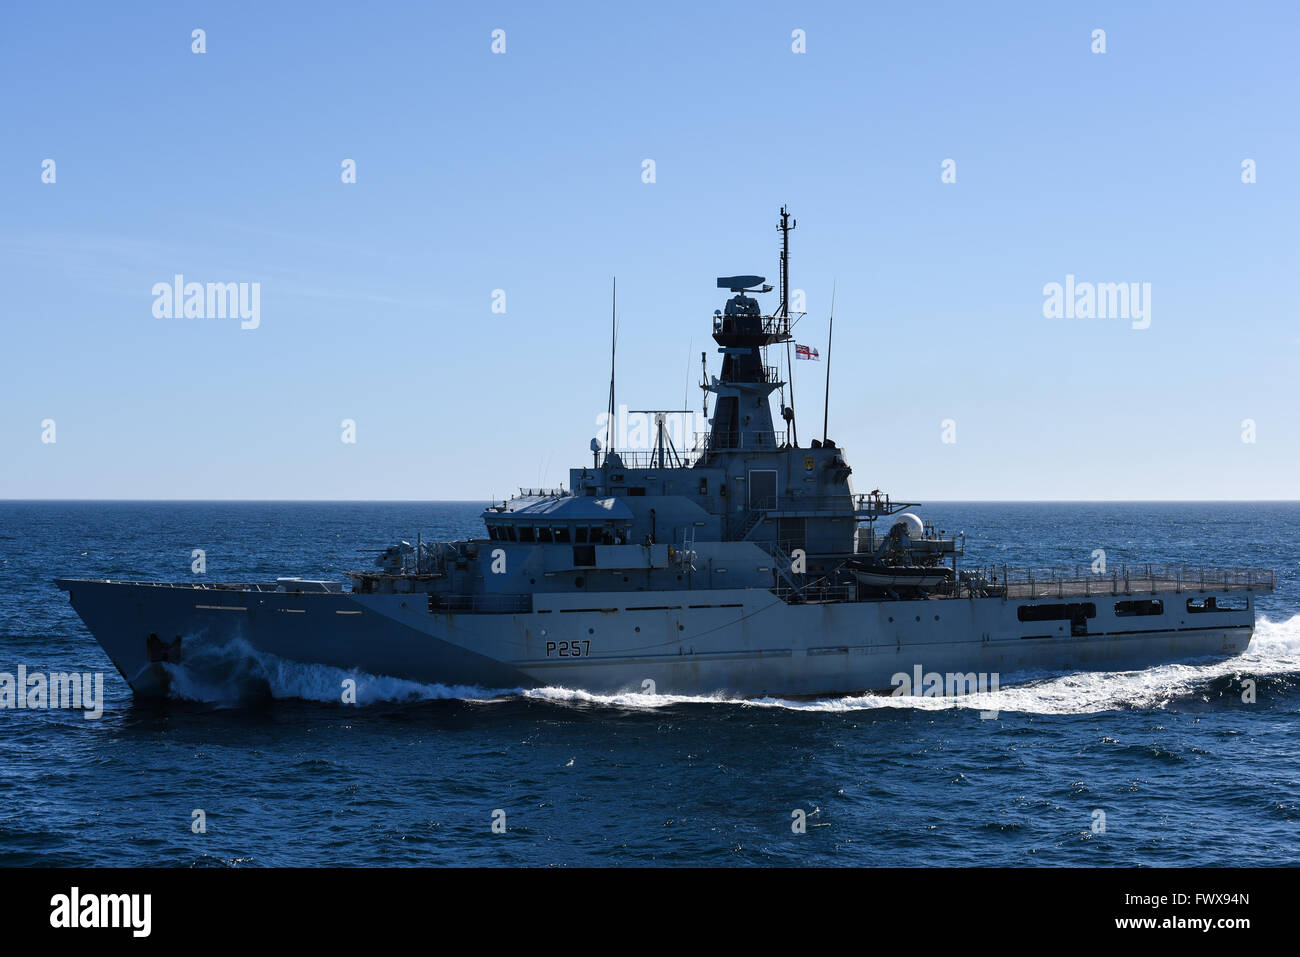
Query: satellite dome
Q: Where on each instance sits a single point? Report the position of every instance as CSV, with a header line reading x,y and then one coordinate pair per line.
x,y
910,526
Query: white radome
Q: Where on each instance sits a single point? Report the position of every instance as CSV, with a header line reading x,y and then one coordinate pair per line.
x,y
913,527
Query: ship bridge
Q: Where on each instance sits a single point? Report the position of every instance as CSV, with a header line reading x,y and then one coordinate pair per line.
x,y
560,519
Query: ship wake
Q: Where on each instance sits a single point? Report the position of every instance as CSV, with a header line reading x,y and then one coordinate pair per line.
x,y
1270,664
237,675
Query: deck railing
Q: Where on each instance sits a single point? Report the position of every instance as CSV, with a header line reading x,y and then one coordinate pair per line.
x,y
266,587
814,594
650,458
752,325
1117,580
705,442
765,441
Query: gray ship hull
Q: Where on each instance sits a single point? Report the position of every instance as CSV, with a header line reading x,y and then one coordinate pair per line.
x,y
741,642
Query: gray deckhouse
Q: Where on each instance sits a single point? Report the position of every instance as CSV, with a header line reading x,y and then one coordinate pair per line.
x,y
746,507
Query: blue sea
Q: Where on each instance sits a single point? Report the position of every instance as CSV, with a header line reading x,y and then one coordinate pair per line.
x,y
1185,771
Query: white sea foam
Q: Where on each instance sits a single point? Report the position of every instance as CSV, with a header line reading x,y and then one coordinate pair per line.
x,y
1274,650
230,674
235,672
624,699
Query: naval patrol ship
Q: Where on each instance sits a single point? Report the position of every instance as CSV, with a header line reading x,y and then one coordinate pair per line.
x,y
740,564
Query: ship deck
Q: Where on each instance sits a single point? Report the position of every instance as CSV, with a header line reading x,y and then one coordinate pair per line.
x,y
1002,581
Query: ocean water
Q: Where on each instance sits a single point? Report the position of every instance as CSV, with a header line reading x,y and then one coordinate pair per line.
x,y
1185,771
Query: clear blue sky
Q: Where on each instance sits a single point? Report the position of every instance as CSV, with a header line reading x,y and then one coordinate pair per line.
x,y
522,172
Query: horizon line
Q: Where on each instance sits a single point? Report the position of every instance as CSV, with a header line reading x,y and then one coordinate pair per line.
x,y
476,501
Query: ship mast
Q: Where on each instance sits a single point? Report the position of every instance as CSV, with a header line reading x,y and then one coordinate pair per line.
x,y
613,350
785,226
830,341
